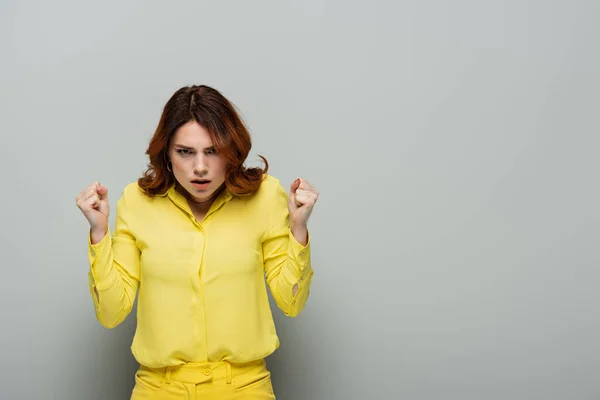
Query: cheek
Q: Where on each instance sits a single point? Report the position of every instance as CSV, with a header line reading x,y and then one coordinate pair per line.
x,y
179,165
220,165
223,170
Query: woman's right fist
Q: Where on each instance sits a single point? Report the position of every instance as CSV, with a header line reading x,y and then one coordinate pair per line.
x,y
93,203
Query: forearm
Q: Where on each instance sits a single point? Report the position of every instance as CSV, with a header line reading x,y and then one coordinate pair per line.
x,y
111,286
290,280
113,299
300,233
97,234
290,292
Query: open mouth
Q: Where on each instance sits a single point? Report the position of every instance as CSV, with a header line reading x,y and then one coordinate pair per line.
x,y
200,181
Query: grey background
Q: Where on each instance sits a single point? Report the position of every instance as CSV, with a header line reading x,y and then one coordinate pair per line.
x,y
455,146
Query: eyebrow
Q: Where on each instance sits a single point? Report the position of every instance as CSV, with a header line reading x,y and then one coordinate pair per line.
x,y
191,148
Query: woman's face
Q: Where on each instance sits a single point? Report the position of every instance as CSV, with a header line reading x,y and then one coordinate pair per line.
x,y
196,165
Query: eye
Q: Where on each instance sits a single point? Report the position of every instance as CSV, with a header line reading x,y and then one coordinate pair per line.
x,y
183,152
211,151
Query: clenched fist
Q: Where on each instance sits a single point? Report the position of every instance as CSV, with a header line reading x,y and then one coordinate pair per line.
x,y
93,203
302,199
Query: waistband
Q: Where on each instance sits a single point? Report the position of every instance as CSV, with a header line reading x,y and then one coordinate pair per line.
x,y
203,372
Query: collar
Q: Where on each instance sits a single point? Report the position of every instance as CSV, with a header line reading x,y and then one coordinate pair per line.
x,y
182,202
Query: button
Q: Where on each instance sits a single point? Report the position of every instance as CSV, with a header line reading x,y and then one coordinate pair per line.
x,y
207,371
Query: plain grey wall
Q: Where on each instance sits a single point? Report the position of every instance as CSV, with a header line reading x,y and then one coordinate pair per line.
x,y
455,146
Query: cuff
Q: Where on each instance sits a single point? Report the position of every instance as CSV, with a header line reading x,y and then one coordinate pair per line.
x,y
299,256
99,255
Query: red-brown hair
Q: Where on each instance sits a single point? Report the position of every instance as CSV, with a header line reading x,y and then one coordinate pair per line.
x,y
229,135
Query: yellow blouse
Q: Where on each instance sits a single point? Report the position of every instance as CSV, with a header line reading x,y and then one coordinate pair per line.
x,y
202,292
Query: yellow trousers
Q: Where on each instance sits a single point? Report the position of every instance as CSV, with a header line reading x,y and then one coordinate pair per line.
x,y
205,381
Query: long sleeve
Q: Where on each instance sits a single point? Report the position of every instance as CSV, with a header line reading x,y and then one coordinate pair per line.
x,y
114,270
286,261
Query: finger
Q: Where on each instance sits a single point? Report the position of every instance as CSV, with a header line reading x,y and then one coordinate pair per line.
x,y
95,201
304,184
92,203
87,190
305,199
84,198
90,193
294,186
102,192
307,192
83,192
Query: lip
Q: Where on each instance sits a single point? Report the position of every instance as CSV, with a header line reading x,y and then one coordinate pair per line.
x,y
198,185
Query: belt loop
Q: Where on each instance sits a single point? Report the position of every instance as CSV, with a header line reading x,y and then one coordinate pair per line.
x,y
167,378
228,371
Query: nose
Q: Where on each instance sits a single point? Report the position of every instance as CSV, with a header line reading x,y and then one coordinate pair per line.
x,y
201,165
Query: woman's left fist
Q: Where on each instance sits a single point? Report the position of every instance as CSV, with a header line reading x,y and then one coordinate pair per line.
x,y
302,199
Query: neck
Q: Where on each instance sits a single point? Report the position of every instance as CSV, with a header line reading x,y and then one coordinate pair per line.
x,y
200,205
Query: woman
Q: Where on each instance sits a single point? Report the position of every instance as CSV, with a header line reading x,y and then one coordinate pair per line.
x,y
196,235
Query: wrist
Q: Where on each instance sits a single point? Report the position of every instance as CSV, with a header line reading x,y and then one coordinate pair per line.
x,y
300,233
97,234
298,227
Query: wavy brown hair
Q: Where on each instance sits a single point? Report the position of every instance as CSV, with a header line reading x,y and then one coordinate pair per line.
x,y
230,137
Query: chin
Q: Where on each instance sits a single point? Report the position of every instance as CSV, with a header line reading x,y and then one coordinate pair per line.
x,y
202,194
